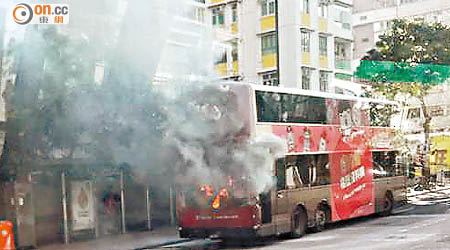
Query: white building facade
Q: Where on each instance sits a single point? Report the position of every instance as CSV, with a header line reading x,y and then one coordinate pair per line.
x,y
315,41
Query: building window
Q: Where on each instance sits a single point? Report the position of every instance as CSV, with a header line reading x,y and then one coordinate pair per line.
x,y
413,113
323,10
267,7
234,51
323,81
382,26
270,79
306,78
436,111
323,46
407,1
217,16
268,44
342,55
200,15
234,13
306,6
342,16
222,56
306,39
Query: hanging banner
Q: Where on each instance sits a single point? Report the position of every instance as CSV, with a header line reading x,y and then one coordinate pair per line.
x,y
82,201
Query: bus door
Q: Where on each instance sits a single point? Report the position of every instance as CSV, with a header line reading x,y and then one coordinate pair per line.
x,y
266,206
282,215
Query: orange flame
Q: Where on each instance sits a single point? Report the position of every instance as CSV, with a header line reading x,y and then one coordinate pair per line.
x,y
216,202
223,192
208,189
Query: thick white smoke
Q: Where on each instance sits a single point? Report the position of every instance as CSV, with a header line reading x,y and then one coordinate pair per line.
x,y
191,123
184,128
205,135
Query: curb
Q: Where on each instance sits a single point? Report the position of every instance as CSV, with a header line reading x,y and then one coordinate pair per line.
x,y
163,244
429,191
403,209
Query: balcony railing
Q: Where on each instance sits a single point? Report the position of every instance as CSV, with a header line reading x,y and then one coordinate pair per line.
x,y
267,23
343,63
234,28
227,69
269,60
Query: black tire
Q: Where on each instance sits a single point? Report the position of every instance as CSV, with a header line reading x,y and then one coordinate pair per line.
x,y
388,205
299,223
183,234
321,218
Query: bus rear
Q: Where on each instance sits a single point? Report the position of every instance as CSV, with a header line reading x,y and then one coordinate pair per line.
x,y
224,205
227,210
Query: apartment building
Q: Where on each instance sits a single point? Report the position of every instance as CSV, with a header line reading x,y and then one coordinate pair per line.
x,y
371,18
225,18
314,40
183,40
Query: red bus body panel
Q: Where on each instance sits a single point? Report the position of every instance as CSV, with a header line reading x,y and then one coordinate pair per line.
x,y
244,216
350,160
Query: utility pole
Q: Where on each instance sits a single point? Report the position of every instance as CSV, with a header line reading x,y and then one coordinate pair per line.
x,y
122,202
277,39
64,203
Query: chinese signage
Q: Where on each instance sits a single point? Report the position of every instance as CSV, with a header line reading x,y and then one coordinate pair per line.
x,y
41,13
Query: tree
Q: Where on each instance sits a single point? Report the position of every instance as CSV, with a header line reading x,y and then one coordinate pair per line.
x,y
40,127
57,113
410,59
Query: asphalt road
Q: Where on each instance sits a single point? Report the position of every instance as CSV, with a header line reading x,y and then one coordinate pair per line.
x,y
419,227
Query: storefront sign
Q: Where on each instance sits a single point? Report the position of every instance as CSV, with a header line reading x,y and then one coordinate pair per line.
x,y
82,201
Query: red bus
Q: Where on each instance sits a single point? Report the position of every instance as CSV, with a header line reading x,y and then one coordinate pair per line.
x,y
340,164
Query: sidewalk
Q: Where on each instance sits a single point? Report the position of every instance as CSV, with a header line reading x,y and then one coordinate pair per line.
x,y
411,192
439,194
139,240
169,235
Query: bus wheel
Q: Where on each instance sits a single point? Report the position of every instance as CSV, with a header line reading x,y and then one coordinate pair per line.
x,y
388,205
320,220
300,223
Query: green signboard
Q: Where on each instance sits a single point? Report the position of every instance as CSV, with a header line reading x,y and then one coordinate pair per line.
x,y
389,71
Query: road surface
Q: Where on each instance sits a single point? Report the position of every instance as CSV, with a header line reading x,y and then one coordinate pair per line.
x,y
426,225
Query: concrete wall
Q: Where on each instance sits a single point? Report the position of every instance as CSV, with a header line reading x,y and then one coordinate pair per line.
x,y
367,5
364,40
248,25
48,210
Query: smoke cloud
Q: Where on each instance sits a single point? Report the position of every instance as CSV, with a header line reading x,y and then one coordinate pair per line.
x,y
205,138
186,128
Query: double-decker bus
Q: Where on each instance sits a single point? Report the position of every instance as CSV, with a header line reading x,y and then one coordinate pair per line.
x,y
340,163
